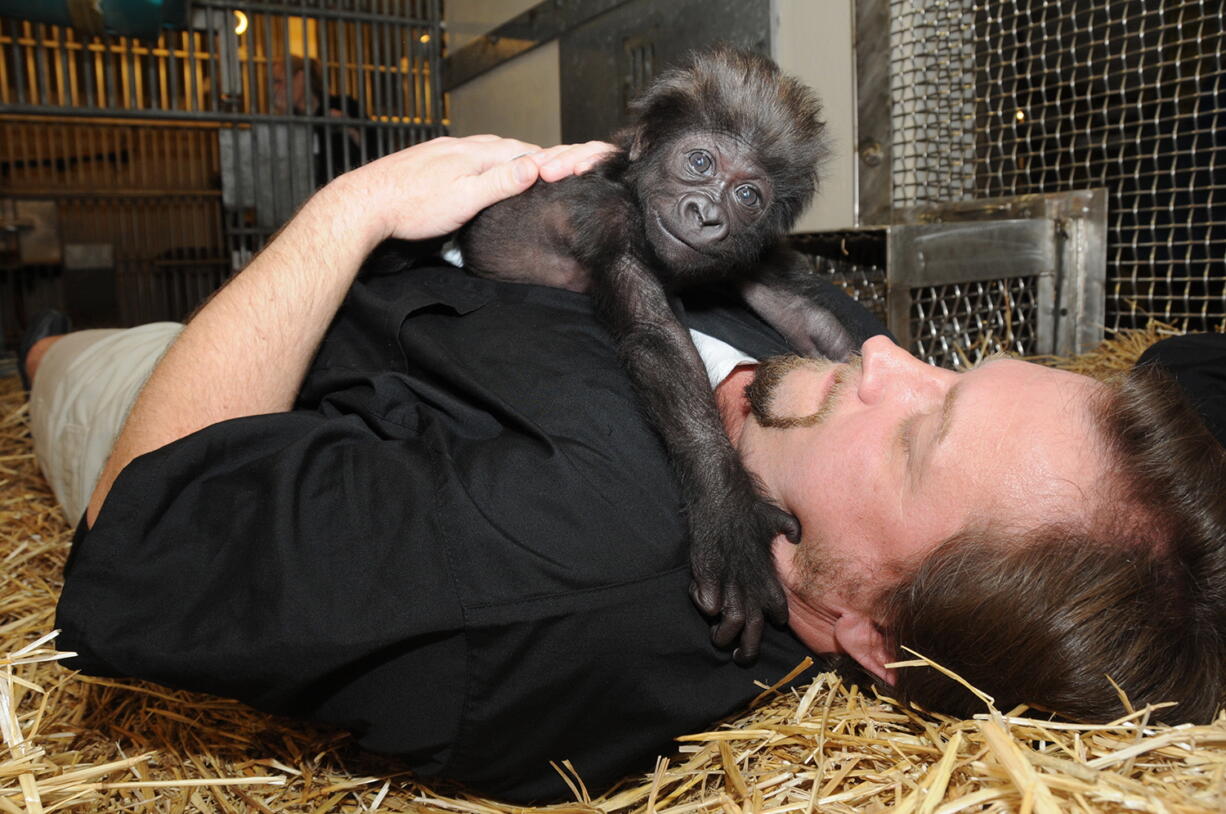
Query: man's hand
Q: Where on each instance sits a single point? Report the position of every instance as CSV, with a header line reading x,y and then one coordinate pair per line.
x,y
434,188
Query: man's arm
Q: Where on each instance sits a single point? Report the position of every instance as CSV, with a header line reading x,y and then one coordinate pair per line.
x,y
247,350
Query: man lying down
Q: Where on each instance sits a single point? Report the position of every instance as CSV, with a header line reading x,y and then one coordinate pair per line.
x,y
425,507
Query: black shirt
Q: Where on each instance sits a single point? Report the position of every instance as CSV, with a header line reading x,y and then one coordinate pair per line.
x,y
465,544
1198,364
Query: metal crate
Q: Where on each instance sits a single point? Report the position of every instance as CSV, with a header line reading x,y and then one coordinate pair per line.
x,y
958,282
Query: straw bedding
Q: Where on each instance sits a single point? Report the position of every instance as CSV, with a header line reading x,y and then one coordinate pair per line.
x,y
72,743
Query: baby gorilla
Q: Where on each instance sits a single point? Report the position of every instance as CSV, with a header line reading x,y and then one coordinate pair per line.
x,y
719,159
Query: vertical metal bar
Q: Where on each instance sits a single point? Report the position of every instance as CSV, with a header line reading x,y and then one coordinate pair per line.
x,y
31,147
312,98
8,131
87,138
390,120
131,69
271,52
63,93
231,89
89,71
342,58
70,158
176,162
191,73
436,86
19,67
75,59
413,46
872,164
68,64
129,267
248,68
148,96
401,31
5,81
377,87
176,43
212,42
109,61
40,62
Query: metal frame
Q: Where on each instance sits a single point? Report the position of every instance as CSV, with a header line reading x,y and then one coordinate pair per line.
x,y
873,167
1059,239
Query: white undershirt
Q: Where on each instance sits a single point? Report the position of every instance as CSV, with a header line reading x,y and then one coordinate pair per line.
x,y
718,356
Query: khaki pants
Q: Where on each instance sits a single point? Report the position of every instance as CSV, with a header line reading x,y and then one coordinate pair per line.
x,y
85,386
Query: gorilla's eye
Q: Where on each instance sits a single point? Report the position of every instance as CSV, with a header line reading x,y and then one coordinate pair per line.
x,y
701,162
748,196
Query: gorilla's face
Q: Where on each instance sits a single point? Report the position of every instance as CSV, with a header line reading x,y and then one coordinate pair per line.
x,y
704,201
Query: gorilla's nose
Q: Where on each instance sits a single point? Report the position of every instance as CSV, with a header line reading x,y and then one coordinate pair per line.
x,y
704,218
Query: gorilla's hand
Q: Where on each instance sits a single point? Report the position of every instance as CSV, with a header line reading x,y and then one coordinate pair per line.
x,y
734,571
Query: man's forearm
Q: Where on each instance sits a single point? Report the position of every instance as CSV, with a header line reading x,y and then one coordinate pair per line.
x,y
246,352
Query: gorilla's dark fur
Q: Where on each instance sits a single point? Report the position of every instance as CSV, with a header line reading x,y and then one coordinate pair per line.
x,y
720,158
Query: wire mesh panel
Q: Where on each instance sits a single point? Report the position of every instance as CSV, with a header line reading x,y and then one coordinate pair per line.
x,y
958,325
1008,98
932,95
185,153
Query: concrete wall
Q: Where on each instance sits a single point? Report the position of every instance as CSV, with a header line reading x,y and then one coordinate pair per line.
x,y
813,41
520,98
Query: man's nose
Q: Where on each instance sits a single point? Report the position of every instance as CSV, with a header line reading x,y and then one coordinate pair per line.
x,y
886,368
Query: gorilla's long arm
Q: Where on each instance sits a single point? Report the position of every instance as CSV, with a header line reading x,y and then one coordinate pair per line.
x,y
814,316
731,525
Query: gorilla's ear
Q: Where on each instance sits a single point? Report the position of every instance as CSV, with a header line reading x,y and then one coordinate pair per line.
x,y
638,145
632,140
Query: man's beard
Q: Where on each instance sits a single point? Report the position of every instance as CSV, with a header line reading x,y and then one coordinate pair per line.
x,y
816,572
770,374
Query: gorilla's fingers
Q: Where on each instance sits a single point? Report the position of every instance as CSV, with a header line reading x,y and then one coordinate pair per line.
x,y
707,595
785,523
732,619
751,640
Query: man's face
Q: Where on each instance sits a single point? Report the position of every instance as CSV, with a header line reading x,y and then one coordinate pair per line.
x,y
904,455
283,95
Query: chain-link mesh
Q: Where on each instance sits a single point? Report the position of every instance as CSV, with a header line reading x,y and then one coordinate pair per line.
x,y
1007,98
956,326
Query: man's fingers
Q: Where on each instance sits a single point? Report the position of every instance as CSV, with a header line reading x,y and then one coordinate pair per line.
x,y
573,159
499,182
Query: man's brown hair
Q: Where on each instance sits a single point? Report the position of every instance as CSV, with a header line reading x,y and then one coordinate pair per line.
x,y
1138,594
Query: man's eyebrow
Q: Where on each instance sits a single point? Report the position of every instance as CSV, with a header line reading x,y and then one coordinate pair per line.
x,y
947,410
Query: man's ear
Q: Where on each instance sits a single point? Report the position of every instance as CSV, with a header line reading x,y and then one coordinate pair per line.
x,y
858,636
